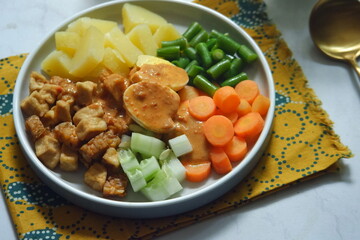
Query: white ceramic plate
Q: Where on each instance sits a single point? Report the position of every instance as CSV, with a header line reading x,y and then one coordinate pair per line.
x,y
71,185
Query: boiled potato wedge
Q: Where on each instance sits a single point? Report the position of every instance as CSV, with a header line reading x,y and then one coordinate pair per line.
x,y
89,54
57,63
82,24
117,39
67,42
142,38
166,32
133,15
115,62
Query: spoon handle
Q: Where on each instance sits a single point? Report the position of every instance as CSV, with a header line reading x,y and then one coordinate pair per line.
x,y
355,65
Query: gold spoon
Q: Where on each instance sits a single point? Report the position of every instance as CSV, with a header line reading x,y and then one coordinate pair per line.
x,y
335,29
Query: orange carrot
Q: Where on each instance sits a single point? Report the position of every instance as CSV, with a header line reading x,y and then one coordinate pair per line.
x,y
218,130
233,116
249,125
202,107
236,149
219,160
248,90
243,108
226,99
197,172
188,92
261,105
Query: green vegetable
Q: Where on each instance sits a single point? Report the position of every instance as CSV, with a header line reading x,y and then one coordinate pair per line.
x,y
227,44
191,53
146,145
171,165
204,54
169,53
204,84
181,62
211,43
233,81
217,54
219,68
192,30
149,167
161,187
127,160
136,179
237,65
247,54
181,42
180,145
201,37
194,70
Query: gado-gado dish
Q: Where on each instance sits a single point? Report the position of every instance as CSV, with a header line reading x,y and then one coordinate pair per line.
x,y
142,105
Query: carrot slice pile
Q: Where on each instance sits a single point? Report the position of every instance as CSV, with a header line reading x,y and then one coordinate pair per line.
x,y
219,160
218,130
248,90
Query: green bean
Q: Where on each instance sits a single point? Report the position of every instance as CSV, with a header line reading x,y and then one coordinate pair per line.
x,y
169,53
215,34
247,54
190,52
237,65
192,30
228,44
181,62
193,62
204,85
233,81
210,43
194,70
204,54
217,54
216,70
202,36
182,42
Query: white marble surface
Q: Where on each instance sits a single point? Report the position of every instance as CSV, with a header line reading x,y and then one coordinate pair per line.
x,y
323,208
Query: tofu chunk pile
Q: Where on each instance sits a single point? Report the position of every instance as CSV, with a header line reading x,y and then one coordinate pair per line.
x,y
74,123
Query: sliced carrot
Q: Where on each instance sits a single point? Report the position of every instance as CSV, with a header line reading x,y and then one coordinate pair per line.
x,y
218,130
188,92
236,149
219,160
197,172
249,125
243,108
261,105
248,90
226,99
202,107
233,116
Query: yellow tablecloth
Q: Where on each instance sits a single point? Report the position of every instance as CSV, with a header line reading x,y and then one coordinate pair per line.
x,y
303,145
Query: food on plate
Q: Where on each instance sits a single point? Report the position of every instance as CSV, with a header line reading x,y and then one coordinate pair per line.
x,y
145,107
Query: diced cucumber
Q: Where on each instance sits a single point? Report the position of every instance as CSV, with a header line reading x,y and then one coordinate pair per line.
x,y
161,187
127,159
171,165
180,145
146,145
149,167
125,141
136,179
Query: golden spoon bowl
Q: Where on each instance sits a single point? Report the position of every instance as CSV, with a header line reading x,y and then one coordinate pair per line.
x,y
335,29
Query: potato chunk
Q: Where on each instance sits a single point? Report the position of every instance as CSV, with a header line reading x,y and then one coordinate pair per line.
x,y
166,32
89,54
152,105
133,15
142,38
67,42
57,63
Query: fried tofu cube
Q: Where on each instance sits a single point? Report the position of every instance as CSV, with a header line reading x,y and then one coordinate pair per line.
x,y
47,148
93,110
95,176
35,127
85,92
65,132
68,158
33,105
90,127
115,186
110,158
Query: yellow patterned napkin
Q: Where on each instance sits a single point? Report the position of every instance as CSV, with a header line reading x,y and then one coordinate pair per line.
x,y
303,146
